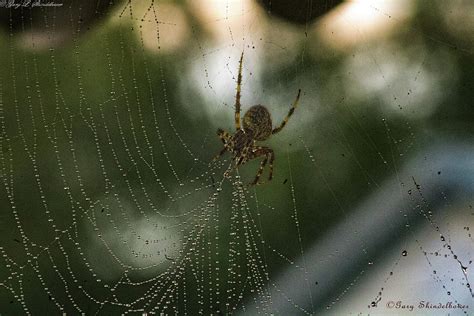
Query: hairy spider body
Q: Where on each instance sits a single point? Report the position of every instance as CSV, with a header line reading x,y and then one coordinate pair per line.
x,y
256,126
258,122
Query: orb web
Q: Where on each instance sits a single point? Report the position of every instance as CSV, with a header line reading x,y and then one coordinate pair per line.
x,y
111,200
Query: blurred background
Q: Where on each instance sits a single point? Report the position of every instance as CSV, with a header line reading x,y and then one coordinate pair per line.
x,y
111,203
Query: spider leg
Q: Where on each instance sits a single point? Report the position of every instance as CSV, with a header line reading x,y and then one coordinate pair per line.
x,y
238,160
243,158
290,112
270,175
224,136
269,157
226,139
220,153
237,96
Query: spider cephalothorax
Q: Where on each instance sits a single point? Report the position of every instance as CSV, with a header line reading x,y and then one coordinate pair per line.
x,y
256,126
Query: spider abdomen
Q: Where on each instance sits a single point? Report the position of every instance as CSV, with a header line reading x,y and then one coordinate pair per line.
x,y
257,119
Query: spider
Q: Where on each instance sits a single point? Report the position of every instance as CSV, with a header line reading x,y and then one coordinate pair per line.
x,y
256,126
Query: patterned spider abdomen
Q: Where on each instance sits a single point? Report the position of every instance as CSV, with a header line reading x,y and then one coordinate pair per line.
x,y
257,120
